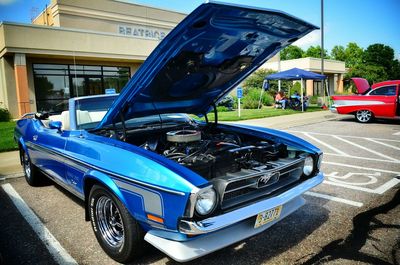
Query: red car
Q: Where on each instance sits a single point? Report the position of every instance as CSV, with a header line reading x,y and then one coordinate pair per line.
x,y
381,100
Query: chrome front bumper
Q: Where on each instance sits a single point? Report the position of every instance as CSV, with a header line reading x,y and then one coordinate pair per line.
x,y
231,227
333,109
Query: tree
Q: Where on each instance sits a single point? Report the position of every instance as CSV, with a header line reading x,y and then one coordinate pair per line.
x,y
256,79
372,73
380,55
291,52
395,71
353,55
338,53
315,52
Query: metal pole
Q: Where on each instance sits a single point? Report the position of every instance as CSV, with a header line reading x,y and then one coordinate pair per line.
x,y
322,46
279,69
302,99
239,107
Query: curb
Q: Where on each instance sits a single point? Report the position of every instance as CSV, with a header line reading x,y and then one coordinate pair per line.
x,y
11,176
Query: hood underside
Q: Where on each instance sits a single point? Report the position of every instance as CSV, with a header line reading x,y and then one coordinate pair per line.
x,y
204,57
362,85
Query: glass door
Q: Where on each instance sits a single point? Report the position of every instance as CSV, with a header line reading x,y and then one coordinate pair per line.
x,y
86,86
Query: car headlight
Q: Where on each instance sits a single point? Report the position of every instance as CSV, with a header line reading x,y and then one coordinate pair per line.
x,y
206,201
308,166
319,161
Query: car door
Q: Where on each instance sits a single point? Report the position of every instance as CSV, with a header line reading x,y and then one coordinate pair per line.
x,y
50,144
383,101
398,101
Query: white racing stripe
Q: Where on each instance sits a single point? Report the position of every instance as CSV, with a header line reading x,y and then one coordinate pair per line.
x,y
54,247
340,152
333,198
365,148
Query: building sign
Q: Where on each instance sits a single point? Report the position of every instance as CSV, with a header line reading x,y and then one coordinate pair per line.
x,y
144,32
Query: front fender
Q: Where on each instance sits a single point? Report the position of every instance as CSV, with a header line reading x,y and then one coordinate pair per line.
x,y
140,201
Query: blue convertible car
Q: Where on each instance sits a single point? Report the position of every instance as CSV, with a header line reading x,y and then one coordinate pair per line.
x,y
148,171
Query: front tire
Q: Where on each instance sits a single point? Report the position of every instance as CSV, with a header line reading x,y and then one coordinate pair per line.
x,y
117,232
31,173
364,116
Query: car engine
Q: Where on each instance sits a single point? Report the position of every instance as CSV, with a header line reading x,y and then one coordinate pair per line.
x,y
212,155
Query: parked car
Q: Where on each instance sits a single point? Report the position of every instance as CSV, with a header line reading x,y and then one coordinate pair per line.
x,y
147,172
381,100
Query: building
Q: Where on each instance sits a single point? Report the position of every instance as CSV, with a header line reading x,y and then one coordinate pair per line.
x,y
76,48
334,70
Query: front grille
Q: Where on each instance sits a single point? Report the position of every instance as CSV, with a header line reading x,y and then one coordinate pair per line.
x,y
249,184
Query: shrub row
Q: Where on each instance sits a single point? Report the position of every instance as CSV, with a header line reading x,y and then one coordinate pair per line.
x,y
5,115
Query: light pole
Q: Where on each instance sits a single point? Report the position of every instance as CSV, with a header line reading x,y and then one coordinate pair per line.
x,y
322,47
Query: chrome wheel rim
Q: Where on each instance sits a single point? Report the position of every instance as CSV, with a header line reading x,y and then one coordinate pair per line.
x,y
109,222
27,166
364,115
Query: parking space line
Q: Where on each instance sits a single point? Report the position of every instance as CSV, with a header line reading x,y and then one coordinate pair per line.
x,y
388,185
380,190
398,133
365,148
327,145
332,198
359,167
388,145
60,255
346,136
363,158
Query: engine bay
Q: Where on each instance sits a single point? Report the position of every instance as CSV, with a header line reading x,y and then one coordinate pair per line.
x,y
214,154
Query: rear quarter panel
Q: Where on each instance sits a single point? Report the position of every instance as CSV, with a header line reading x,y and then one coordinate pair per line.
x,y
381,106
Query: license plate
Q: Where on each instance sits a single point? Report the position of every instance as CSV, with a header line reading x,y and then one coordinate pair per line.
x,y
268,216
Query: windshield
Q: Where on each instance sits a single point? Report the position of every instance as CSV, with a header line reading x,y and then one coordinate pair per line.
x,y
90,111
158,121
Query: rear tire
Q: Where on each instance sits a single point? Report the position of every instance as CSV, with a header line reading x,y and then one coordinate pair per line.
x,y
117,232
31,173
364,116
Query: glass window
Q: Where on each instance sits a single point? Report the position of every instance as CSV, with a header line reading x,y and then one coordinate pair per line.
x,y
384,91
51,66
52,105
51,92
55,82
90,111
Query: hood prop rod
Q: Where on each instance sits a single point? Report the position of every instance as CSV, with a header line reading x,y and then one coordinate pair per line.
x,y
123,126
215,114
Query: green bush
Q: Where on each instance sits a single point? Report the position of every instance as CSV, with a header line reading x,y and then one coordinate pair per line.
x,y
5,115
313,99
250,103
222,109
235,102
296,87
226,102
252,97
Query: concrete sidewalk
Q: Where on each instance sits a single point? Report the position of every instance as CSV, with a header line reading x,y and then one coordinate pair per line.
x,y
10,166
288,121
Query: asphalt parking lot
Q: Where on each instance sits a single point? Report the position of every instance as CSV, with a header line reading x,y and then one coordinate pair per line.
x,y
352,218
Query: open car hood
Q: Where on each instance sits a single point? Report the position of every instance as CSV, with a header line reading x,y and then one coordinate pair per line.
x,y
362,85
204,57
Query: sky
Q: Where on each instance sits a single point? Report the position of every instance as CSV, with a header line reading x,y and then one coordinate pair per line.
x,y
362,21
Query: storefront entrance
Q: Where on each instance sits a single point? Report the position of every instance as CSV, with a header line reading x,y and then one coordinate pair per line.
x,y
56,83
86,85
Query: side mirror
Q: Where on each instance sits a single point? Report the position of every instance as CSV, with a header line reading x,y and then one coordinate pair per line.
x,y
55,125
